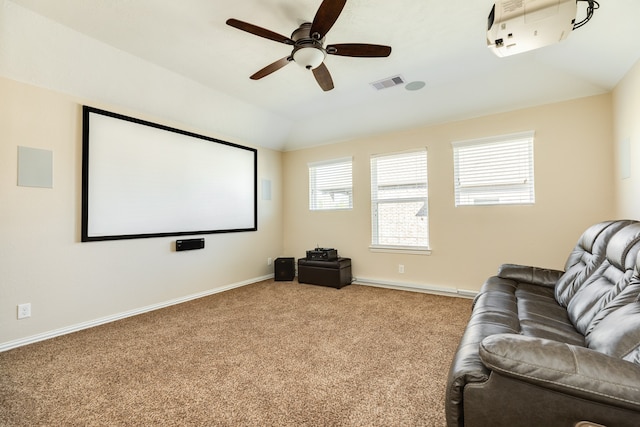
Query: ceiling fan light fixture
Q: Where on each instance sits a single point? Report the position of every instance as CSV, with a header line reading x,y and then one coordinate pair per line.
x,y
309,57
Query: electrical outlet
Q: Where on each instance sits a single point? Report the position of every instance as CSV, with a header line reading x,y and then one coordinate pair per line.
x,y
269,261
400,268
24,310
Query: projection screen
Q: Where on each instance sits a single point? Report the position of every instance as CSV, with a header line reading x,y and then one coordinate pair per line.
x,y
141,179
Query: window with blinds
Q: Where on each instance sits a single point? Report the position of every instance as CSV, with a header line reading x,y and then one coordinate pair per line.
x,y
494,171
330,185
399,201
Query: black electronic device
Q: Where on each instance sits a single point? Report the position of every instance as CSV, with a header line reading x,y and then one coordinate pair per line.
x,y
285,269
189,244
322,254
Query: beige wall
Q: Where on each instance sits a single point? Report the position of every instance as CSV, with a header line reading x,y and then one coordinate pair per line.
x,y
573,166
626,108
69,283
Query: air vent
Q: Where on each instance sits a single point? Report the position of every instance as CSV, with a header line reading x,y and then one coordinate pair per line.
x,y
388,82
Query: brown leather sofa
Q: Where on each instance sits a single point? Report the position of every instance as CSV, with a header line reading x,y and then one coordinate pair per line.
x,y
555,348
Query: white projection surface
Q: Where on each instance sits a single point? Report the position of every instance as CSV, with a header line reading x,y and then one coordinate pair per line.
x,y
146,180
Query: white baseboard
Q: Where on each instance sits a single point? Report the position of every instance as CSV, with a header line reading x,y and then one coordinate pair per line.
x,y
101,321
467,294
412,287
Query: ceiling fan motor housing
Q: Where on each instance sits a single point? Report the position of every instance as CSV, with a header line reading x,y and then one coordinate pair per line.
x,y
307,51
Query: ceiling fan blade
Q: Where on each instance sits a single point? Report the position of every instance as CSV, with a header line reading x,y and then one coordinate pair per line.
x,y
359,49
271,68
326,16
323,77
259,31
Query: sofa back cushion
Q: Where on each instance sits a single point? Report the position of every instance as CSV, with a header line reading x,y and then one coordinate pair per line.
x,y
606,289
588,254
618,334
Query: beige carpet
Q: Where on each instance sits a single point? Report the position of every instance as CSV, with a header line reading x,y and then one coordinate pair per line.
x,y
267,354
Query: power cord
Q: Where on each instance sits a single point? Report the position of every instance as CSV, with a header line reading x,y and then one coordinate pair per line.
x,y
593,5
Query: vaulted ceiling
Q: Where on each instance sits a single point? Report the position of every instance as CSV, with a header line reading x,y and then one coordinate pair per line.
x,y
439,42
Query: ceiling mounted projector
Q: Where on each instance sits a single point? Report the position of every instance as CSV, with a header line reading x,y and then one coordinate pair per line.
x,y
517,26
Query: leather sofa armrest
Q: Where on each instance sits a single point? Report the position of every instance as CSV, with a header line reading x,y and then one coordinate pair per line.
x,y
534,275
564,368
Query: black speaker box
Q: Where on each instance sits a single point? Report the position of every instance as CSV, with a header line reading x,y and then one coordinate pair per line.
x,y
189,244
285,269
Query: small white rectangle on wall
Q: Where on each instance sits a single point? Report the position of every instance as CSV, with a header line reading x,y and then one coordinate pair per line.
x,y
266,189
35,167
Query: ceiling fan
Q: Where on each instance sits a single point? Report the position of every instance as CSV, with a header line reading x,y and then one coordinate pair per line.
x,y
308,44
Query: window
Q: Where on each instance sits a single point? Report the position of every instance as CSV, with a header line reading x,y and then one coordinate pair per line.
x,y
399,204
494,171
330,185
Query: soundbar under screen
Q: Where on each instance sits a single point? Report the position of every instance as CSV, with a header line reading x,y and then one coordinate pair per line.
x,y
141,179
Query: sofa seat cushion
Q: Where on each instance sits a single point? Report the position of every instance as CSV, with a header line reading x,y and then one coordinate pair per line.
x,y
548,320
527,309
535,293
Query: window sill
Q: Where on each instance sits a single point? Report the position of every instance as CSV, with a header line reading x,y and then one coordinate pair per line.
x,y
414,250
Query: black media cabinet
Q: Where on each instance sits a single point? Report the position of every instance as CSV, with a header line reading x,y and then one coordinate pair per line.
x,y
335,273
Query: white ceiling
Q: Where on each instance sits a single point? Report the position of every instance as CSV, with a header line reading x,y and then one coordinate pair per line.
x,y
440,42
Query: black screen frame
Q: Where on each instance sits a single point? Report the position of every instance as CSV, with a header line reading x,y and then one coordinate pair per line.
x,y
88,235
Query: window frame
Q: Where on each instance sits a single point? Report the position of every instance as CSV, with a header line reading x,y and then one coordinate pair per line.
x,y
521,182
375,245
314,192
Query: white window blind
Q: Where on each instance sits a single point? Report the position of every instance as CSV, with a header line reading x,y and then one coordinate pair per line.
x,y
494,171
330,185
399,200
